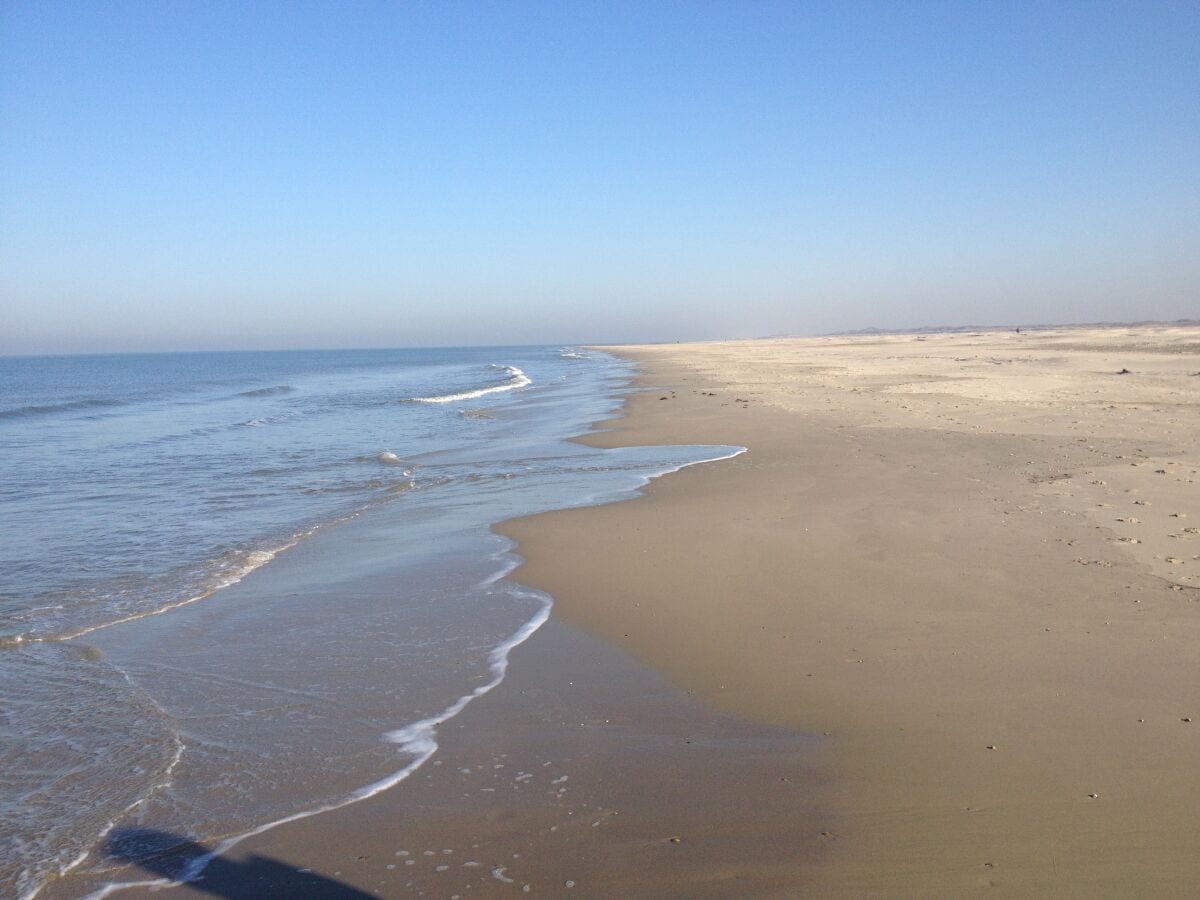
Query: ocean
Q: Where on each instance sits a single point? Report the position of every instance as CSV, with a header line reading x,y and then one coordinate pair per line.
x,y
238,589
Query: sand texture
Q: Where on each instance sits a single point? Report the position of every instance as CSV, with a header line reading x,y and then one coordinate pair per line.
x,y
971,560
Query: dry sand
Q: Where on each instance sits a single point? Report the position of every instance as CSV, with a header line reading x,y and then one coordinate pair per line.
x,y
970,559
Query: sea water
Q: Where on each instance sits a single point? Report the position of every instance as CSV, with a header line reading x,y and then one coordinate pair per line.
x,y
242,588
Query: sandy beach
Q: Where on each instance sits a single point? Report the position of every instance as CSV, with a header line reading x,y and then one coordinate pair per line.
x,y
970,560
935,633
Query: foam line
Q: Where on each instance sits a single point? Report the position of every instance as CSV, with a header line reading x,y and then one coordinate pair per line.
x,y
518,380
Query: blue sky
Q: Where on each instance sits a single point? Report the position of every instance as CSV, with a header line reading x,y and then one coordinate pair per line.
x,y
223,175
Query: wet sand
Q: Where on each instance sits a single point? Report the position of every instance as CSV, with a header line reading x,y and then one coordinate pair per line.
x,y
966,558
583,774
905,646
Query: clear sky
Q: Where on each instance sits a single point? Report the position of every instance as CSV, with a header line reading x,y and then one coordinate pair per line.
x,y
186,175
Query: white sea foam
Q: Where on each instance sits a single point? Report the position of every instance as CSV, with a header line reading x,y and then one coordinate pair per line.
x,y
517,379
510,564
737,451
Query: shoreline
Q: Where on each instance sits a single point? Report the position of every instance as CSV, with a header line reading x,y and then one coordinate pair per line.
x,y
627,764
980,653
928,554
583,773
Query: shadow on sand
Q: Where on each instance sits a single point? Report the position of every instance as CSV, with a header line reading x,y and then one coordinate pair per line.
x,y
167,855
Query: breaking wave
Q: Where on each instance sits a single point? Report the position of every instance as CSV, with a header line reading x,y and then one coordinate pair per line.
x,y
517,379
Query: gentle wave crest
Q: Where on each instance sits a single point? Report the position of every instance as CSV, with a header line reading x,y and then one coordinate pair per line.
x,y
218,573
517,379
48,409
229,571
267,391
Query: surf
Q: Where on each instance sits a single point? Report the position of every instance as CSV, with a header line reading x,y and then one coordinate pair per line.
x,y
517,379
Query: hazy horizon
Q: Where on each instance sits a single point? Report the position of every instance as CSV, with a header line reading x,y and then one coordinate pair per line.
x,y
317,175
865,331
